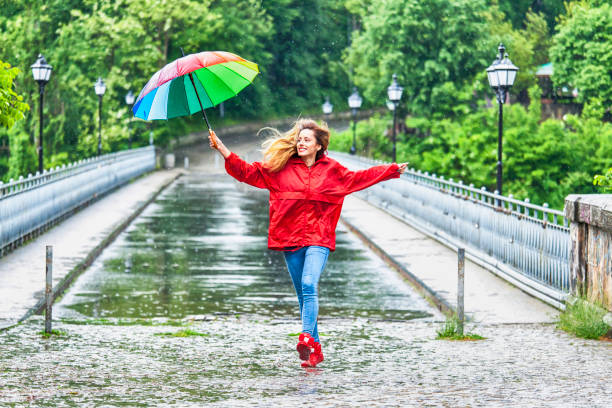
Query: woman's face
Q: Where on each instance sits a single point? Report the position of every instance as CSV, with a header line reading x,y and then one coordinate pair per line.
x,y
307,143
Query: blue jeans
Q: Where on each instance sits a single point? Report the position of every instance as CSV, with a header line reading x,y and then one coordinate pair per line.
x,y
305,267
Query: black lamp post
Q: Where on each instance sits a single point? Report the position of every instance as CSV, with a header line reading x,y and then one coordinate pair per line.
x,y
100,88
394,92
501,76
41,72
354,102
327,108
129,99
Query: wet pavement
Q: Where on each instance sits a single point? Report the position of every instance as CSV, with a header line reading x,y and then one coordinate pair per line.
x,y
201,249
195,263
22,272
250,361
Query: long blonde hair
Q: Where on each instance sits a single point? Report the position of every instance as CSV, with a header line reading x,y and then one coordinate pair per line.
x,y
280,147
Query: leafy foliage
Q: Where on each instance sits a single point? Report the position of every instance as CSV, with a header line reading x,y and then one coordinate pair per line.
x,y
516,10
12,107
582,51
447,47
604,180
297,47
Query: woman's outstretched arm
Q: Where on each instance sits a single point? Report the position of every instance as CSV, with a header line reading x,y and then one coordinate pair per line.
x,y
236,167
358,180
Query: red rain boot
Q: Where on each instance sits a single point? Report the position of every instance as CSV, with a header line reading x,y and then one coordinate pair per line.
x,y
316,356
305,346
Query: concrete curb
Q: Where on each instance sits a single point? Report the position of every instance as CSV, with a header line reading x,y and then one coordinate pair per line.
x,y
428,293
59,289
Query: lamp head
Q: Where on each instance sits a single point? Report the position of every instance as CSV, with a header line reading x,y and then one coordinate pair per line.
x,y
502,72
129,98
41,71
394,91
327,106
355,100
100,87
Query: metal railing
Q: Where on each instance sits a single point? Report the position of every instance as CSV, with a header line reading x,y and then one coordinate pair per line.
x,y
524,243
32,204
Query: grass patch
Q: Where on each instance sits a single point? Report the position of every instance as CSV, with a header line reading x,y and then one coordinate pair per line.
x,y
450,331
58,333
583,319
182,333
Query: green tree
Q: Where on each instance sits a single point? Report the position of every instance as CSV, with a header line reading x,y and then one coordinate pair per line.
x,y
306,47
23,159
516,10
604,180
527,48
12,107
432,45
582,50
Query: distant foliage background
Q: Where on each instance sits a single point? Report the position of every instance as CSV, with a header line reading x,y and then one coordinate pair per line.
x,y
309,50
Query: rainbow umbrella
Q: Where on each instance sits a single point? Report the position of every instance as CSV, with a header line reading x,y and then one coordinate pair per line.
x,y
194,83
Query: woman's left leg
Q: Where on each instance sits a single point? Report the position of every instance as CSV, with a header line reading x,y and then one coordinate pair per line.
x,y
314,264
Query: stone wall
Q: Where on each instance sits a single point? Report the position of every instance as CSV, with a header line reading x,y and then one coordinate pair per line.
x,y
590,219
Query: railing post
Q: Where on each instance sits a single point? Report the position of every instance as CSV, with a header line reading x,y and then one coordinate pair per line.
x,y
48,288
460,288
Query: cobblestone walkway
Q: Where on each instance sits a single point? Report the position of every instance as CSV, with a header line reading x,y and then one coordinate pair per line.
x,y
368,363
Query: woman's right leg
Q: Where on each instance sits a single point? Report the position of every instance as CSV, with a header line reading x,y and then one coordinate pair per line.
x,y
295,264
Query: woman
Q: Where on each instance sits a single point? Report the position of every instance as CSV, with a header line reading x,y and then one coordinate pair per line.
x,y
307,189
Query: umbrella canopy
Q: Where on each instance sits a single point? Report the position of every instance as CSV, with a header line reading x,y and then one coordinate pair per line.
x,y
193,83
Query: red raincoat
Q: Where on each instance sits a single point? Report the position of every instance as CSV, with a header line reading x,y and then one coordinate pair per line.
x,y
305,203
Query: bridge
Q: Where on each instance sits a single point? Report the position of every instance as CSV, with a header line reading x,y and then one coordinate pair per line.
x,y
187,247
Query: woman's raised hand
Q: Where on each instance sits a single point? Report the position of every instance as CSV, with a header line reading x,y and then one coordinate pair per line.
x,y
402,168
217,144
213,140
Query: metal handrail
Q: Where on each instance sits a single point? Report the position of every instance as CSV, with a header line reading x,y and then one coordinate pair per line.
x,y
49,175
524,243
508,203
30,205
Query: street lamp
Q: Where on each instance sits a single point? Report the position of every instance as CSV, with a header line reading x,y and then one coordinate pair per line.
x,y
501,76
327,108
129,99
394,92
354,102
100,88
41,71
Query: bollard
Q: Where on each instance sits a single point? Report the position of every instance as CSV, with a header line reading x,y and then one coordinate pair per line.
x,y
48,288
186,165
460,287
